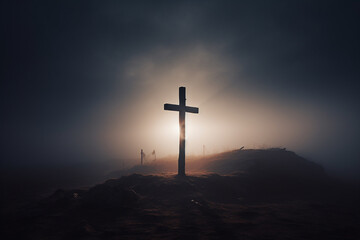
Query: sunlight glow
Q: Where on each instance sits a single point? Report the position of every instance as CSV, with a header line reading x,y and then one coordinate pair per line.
x,y
226,120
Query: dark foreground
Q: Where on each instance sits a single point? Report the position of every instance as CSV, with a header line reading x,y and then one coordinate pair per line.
x,y
211,206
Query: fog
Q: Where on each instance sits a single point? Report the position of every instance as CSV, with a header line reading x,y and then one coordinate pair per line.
x,y
88,80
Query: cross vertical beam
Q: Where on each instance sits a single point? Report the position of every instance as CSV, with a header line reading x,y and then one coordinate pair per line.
x,y
182,109
181,162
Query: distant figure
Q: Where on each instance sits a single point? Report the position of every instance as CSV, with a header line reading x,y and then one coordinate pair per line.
x,y
142,157
154,153
203,150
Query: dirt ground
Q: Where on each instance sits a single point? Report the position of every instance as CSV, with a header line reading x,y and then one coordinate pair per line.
x,y
206,206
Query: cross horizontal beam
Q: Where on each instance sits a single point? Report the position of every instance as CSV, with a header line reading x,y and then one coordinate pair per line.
x,y
191,109
173,107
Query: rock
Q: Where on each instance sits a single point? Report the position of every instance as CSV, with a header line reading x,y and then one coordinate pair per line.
x,y
110,196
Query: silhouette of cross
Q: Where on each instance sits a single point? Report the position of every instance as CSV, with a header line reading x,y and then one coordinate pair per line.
x,y
181,108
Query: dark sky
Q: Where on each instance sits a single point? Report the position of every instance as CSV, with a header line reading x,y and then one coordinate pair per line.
x,y
69,65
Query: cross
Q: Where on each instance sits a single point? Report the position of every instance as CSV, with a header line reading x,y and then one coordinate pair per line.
x,y
181,108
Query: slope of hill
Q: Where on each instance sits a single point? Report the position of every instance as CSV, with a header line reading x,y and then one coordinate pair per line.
x,y
265,162
197,207
260,194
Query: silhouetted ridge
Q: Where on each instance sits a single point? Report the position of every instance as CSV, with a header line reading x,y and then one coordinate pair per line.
x,y
264,162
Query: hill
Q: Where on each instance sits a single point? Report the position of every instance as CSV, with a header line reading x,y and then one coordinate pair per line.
x,y
261,194
265,162
197,207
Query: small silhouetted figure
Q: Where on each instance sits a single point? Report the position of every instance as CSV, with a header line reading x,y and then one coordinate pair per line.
x,y
142,157
182,109
154,153
203,150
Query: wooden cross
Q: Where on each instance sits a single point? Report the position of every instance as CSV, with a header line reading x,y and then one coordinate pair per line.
x,y
181,108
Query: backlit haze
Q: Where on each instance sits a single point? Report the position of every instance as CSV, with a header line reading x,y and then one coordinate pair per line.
x,y
90,79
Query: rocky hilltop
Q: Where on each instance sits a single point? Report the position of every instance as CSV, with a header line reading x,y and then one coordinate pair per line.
x,y
256,194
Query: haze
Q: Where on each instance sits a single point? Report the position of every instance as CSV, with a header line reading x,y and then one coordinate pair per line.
x,y
89,79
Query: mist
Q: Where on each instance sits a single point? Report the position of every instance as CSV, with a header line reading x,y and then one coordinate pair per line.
x,y
86,81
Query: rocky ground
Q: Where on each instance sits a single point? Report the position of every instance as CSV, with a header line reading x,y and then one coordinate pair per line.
x,y
271,194
194,207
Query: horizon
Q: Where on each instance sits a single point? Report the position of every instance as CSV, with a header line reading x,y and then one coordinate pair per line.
x,y
87,81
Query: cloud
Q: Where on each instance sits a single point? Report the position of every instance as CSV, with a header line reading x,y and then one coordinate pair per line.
x,y
77,70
